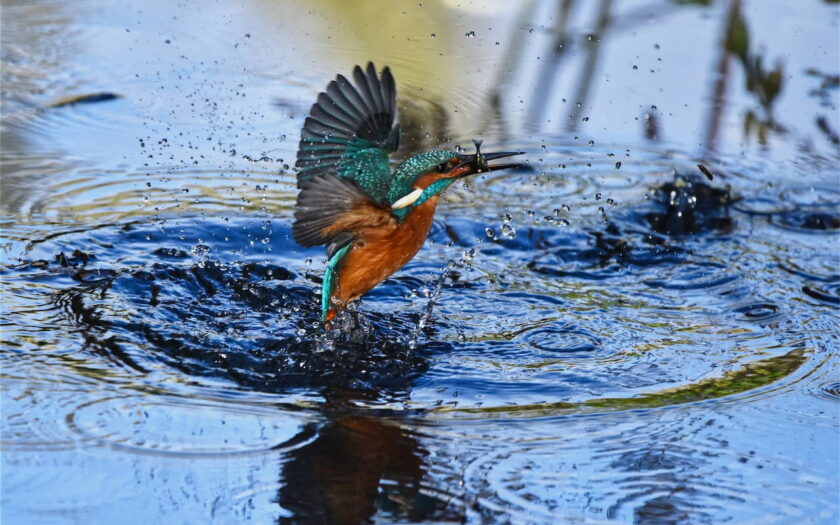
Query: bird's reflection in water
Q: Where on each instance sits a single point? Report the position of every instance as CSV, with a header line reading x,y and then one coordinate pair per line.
x,y
360,466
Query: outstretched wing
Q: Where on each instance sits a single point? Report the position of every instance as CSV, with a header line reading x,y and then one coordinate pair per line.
x,y
350,132
333,211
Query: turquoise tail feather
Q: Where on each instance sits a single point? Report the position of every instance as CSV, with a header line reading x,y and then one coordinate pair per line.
x,y
330,277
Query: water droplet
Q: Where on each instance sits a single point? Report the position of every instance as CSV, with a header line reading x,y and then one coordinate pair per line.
x,y
565,207
598,196
591,142
434,35
618,165
469,34
506,218
490,232
562,222
635,67
508,231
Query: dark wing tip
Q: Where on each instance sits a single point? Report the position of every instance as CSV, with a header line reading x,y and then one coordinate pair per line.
x,y
364,108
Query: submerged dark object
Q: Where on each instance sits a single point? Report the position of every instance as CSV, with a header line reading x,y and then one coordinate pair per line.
x,y
690,205
372,220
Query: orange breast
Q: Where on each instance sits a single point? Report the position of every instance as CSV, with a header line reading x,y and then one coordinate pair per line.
x,y
376,256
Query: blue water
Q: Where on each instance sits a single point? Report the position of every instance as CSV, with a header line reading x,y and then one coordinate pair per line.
x,y
615,335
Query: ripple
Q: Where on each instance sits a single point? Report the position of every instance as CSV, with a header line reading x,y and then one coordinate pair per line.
x,y
829,390
763,206
663,469
175,426
829,293
619,180
813,267
694,276
545,186
749,380
813,221
811,196
758,311
562,339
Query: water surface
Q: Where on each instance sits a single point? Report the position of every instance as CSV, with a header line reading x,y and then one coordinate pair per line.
x,y
616,335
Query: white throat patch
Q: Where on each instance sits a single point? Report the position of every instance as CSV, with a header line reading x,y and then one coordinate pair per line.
x,y
407,200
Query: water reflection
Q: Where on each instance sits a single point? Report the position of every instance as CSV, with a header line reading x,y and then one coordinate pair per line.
x,y
359,468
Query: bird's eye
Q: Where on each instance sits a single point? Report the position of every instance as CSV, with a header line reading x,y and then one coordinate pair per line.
x,y
443,167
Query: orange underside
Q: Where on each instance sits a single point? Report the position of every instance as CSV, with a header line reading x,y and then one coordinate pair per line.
x,y
378,254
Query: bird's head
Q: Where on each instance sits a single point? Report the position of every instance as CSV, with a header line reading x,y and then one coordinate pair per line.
x,y
424,176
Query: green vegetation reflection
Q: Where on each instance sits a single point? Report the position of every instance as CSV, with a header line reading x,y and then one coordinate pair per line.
x,y
754,375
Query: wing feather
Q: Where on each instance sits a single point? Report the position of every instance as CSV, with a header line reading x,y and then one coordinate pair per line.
x,y
331,209
350,131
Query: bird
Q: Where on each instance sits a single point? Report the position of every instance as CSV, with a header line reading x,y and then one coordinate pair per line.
x,y
372,219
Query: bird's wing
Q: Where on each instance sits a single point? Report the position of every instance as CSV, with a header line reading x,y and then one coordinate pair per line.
x,y
334,211
350,132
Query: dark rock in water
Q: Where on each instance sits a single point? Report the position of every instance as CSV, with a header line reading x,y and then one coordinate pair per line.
x,y
690,206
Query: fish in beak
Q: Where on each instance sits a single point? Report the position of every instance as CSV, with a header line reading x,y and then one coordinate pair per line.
x,y
478,162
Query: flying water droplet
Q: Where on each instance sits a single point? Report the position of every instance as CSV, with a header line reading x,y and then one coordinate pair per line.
x,y
508,231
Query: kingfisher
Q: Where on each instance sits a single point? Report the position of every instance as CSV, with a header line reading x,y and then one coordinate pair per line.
x,y
372,220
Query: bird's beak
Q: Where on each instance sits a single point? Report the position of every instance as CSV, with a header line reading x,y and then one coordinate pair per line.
x,y
477,163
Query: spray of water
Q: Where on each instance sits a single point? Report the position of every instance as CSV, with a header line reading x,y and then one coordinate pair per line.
x,y
427,312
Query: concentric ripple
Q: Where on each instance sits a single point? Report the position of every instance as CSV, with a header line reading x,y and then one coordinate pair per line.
x,y
175,427
662,470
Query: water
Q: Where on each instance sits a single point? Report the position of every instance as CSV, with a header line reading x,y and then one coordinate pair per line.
x,y
639,340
